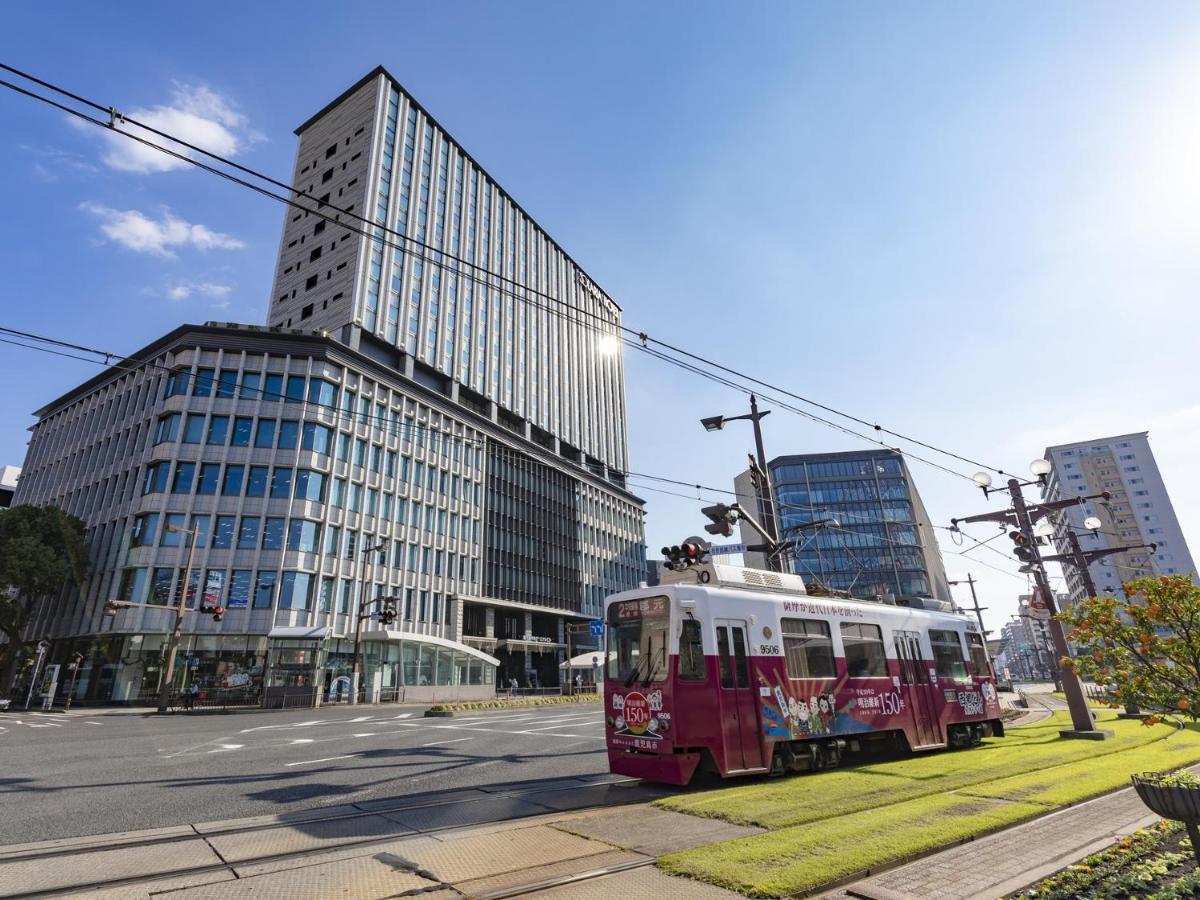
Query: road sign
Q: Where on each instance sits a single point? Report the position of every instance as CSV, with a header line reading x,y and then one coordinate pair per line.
x,y
1038,607
726,549
597,628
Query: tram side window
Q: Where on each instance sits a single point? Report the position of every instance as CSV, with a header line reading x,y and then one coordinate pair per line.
x,y
979,660
807,648
865,656
691,652
947,654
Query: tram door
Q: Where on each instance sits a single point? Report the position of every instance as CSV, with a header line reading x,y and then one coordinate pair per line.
x,y
914,675
739,706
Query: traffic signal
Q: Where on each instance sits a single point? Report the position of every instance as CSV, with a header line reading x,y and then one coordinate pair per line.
x,y
217,612
723,518
1021,548
387,615
680,556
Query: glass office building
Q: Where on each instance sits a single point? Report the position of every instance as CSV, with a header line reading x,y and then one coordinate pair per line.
x,y
433,416
879,542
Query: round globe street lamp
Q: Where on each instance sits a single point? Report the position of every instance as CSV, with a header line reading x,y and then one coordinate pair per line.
x,y
1040,468
1092,523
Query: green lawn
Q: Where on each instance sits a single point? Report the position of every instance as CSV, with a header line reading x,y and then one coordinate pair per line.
x,y
829,825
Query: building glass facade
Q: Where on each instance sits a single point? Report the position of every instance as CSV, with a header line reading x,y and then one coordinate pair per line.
x,y
881,543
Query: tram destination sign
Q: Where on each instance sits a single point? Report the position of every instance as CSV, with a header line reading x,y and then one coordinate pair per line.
x,y
640,609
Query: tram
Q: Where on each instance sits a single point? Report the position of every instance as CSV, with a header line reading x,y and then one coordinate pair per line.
x,y
743,672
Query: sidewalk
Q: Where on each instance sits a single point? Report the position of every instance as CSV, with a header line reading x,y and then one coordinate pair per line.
x,y
1009,860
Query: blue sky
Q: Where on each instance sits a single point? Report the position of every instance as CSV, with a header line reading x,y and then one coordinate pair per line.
x,y
973,224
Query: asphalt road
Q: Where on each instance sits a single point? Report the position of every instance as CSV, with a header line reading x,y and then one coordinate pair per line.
x,y
77,774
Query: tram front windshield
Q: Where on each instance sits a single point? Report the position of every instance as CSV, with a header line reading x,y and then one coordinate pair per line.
x,y
637,640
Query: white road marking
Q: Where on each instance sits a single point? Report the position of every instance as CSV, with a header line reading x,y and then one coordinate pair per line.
x,y
365,734
359,719
454,741
403,716
93,723
225,748
302,741
309,762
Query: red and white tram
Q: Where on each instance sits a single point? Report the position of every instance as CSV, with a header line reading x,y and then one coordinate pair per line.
x,y
743,672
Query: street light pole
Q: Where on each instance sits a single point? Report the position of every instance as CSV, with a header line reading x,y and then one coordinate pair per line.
x,y
356,671
168,675
766,502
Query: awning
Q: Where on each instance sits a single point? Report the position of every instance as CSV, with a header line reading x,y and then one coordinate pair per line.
x,y
535,646
386,634
584,661
303,632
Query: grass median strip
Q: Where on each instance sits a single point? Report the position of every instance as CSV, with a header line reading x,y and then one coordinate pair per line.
x,y
827,826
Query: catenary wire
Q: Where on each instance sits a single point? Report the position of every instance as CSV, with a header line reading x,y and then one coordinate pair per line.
x,y
643,337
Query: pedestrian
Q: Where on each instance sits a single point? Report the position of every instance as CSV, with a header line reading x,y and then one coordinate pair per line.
x,y
512,687
192,693
578,682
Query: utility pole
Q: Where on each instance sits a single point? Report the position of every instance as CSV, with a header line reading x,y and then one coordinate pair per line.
x,y
1022,517
168,675
1081,560
356,671
975,601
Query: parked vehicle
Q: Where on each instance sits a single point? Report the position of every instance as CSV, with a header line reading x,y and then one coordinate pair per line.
x,y
742,672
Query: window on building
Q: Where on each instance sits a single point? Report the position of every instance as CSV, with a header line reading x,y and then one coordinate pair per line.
x,y
256,483
264,589
203,385
281,482
264,435
272,534
807,648
231,485
185,472
227,383
193,430
242,428
168,428
295,389
223,532
863,649
218,430
289,434
248,532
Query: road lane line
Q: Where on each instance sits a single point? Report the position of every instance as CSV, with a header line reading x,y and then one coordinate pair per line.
x,y
454,741
309,762
366,734
302,741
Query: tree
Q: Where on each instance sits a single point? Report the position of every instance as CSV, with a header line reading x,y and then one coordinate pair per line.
x,y
41,547
1146,647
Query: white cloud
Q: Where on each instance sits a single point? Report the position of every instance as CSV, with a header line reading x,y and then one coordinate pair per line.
x,y
186,289
196,114
138,232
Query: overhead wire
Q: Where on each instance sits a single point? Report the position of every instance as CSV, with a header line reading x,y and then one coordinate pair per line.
x,y
116,118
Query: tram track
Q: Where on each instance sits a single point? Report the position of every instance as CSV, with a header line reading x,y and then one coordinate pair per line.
x,y
82,847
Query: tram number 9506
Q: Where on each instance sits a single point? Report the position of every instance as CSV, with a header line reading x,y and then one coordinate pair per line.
x,y
768,650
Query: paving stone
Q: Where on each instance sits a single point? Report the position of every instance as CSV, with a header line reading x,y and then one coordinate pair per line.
x,y
597,795
238,847
472,855
24,876
407,802
644,882
365,877
150,890
654,832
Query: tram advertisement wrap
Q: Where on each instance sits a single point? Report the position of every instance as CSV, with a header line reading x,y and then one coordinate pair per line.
x,y
640,719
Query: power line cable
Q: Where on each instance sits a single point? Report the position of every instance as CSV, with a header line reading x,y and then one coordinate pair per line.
x,y
116,117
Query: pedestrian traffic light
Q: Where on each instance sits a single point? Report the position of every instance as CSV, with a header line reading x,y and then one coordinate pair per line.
x,y
723,518
1021,548
217,612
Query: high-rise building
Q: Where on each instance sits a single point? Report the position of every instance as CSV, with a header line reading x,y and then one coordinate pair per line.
x,y
9,476
1139,511
879,541
435,419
